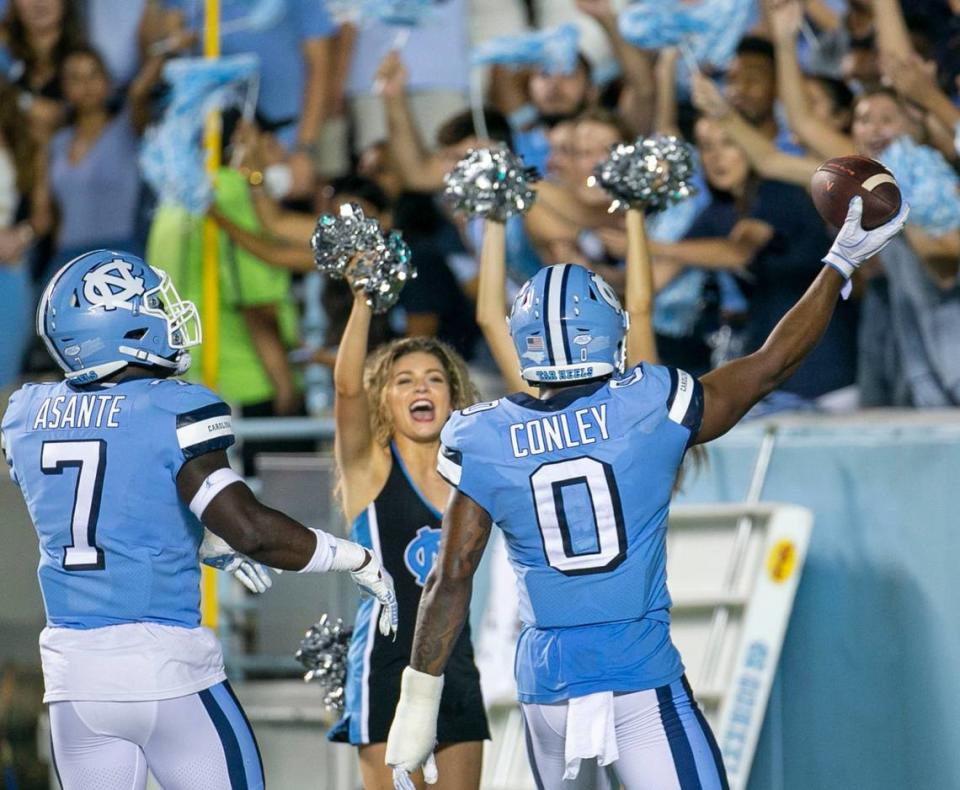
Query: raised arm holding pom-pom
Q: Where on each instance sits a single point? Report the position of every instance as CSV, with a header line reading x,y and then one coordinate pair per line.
x,y
491,315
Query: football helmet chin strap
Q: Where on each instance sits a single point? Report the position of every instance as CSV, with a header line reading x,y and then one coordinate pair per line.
x,y
179,364
94,373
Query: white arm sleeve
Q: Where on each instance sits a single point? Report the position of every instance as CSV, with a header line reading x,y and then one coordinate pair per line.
x,y
215,483
323,554
334,554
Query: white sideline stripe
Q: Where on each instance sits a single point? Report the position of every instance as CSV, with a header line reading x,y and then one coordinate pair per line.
x,y
371,632
681,401
199,432
449,469
877,180
555,312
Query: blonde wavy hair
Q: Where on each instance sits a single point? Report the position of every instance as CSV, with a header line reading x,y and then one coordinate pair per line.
x,y
376,378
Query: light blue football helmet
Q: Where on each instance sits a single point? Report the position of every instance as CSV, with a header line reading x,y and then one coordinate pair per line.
x,y
106,309
567,325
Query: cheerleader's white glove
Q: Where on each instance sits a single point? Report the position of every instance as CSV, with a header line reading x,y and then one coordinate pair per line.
x,y
217,553
413,734
854,245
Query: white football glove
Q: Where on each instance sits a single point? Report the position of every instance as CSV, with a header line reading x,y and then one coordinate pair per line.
x,y
854,245
413,734
374,580
217,553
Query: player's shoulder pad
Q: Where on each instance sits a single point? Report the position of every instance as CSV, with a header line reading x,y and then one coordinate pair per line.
x,y
462,434
17,404
673,389
180,397
467,423
14,419
203,420
644,386
11,421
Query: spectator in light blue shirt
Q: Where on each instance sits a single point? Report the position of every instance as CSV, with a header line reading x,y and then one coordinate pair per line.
x,y
92,180
909,356
292,40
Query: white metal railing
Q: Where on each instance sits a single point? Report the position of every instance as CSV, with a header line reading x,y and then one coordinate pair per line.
x,y
283,428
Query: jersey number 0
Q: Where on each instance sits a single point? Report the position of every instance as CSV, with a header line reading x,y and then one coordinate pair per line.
x,y
89,458
550,482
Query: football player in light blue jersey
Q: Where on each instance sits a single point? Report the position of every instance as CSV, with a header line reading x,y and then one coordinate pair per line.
x,y
122,467
579,480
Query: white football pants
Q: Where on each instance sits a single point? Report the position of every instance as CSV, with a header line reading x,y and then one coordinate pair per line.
x,y
201,741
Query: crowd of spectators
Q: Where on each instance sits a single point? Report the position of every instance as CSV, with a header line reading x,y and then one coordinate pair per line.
x,y
342,116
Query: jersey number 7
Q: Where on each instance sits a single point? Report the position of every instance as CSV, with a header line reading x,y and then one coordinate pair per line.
x,y
89,458
587,481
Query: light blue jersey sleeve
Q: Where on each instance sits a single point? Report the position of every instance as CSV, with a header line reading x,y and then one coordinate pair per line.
x,y
465,443
196,421
680,393
12,420
8,457
685,402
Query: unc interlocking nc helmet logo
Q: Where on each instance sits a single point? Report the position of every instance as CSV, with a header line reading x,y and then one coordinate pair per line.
x,y
112,285
421,553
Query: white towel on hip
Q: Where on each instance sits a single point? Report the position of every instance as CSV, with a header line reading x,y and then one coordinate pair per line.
x,y
591,732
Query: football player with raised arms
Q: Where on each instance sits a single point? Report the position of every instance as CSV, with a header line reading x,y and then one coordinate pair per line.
x,y
579,480
122,467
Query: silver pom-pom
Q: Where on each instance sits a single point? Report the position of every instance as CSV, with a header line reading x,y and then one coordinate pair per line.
x,y
336,240
383,274
381,265
490,182
651,173
323,653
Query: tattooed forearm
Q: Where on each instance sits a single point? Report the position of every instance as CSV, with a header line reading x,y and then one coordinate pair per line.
x,y
446,596
440,619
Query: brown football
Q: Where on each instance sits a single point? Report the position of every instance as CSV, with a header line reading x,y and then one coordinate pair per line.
x,y
838,180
